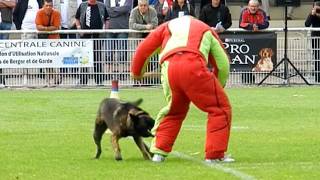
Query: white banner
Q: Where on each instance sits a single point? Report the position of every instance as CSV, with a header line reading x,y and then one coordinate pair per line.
x,y
42,53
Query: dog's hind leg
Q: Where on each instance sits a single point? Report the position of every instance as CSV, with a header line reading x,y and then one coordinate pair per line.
x,y
116,147
143,147
99,130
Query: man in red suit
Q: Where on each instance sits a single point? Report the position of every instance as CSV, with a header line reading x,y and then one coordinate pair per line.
x,y
194,68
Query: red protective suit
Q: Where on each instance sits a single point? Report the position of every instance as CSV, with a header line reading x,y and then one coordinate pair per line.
x,y
187,47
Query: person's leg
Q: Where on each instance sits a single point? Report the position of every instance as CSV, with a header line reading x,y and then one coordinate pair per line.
x,y
316,55
2,79
5,26
122,55
110,62
96,64
83,76
170,118
290,12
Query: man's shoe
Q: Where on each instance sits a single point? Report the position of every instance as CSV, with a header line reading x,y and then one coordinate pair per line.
x,y
158,158
225,159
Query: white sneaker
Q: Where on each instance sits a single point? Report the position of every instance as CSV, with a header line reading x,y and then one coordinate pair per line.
x,y
225,159
2,86
158,158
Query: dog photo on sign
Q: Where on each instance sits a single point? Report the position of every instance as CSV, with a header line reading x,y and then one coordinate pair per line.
x,y
265,63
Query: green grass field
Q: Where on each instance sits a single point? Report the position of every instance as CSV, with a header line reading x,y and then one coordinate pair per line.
x,y
47,134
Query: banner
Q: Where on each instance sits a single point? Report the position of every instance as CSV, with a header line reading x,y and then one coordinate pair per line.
x,y
251,51
43,53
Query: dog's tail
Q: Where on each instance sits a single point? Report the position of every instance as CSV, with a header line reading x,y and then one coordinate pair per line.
x,y
137,102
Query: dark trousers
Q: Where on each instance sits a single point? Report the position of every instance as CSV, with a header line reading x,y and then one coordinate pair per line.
x,y
316,55
99,75
68,71
248,77
2,78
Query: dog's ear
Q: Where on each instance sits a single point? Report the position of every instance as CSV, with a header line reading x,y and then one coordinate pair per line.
x,y
137,102
270,51
133,117
261,52
143,124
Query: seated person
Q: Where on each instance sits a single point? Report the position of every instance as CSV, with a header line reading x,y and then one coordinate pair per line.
x,y
143,17
216,16
253,18
179,8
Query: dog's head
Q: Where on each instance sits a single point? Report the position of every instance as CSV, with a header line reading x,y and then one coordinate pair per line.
x,y
138,121
266,53
142,123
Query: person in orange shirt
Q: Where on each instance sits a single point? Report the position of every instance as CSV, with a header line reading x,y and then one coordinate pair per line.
x,y
48,19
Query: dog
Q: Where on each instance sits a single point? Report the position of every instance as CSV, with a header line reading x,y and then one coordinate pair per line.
x,y
265,63
123,119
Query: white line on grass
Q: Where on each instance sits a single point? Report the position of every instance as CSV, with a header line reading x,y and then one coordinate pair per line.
x,y
217,166
203,128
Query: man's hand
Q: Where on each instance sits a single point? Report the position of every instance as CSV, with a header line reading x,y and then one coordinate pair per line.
x,y
149,26
255,27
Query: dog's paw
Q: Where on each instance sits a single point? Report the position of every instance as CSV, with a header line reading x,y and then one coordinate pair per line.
x,y
118,158
98,154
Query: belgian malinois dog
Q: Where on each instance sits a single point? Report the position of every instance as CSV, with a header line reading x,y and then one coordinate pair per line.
x,y
123,119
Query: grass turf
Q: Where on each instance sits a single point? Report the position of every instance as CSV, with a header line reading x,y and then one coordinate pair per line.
x,y
47,134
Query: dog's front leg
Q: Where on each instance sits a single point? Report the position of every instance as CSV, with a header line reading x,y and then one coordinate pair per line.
x,y
143,148
116,147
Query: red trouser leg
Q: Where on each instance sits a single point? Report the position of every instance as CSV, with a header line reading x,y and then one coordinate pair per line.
x,y
189,79
170,125
172,116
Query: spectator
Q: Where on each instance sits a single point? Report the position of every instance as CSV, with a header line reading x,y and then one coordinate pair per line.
x,y
313,20
143,17
119,12
6,8
92,14
205,2
265,5
68,9
216,15
188,46
253,18
179,8
291,8
162,8
49,19
24,15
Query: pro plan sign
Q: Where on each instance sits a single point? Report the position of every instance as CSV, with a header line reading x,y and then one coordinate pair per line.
x,y
46,53
251,51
